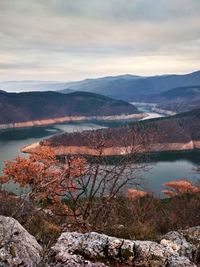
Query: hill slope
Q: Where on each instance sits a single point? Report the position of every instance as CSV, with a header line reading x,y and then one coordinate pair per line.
x,y
180,132
22,107
180,99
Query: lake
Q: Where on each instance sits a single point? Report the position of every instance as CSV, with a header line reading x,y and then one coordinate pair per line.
x,y
164,167
11,141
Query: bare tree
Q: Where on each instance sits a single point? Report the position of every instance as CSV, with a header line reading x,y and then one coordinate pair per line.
x,y
107,175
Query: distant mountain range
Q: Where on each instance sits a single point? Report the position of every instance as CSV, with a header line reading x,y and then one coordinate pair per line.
x,y
24,86
22,107
125,87
175,92
136,88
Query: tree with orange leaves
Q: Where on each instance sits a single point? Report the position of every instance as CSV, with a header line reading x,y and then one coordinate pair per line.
x,y
180,187
88,186
46,178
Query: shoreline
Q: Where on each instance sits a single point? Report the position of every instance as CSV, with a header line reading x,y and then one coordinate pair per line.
x,y
45,122
154,108
163,111
115,151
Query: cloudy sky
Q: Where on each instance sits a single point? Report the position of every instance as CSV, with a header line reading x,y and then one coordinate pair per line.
x,y
75,39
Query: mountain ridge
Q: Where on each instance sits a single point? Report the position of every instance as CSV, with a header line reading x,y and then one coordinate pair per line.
x,y
29,106
59,85
140,89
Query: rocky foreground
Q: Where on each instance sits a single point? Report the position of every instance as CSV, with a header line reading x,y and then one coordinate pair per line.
x,y
72,249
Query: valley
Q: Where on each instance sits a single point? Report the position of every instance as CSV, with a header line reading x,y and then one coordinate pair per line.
x,y
74,122
99,133
163,167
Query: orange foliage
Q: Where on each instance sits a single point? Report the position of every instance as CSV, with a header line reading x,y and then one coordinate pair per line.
x,y
134,193
180,187
47,178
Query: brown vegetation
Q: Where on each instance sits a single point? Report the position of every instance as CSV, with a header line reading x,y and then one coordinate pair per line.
x,y
180,187
141,218
45,177
86,194
70,186
134,193
179,132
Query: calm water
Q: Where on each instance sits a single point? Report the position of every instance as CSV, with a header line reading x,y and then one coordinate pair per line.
x,y
170,166
11,141
164,167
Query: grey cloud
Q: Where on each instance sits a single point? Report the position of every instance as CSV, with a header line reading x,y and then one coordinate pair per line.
x,y
109,9
13,66
56,35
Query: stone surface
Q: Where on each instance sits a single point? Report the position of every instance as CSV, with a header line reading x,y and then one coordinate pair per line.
x,y
121,250
185,242
72,260
94,246
17,246
179,244
150,253
177,261
19,249
98,247
71,245
192,234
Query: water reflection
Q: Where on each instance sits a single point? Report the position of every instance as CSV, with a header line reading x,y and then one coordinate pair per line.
x,y
163,167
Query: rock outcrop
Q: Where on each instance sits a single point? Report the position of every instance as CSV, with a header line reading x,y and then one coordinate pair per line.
x,y
179,244
17,246
75,261
173,250
72,249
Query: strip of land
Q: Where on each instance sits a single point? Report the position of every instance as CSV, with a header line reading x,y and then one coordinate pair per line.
x,y
45,122
175,133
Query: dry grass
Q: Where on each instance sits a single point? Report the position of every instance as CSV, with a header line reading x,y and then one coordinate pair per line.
x,y
144,218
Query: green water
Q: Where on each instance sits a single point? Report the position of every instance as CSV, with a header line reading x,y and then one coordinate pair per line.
x,y
164,167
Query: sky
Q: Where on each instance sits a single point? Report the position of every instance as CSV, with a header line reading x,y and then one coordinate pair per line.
x,y
65,40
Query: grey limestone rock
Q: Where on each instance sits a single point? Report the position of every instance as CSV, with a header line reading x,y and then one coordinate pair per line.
x,y
73,249
17,246
179,244
177,261
148,253
173,250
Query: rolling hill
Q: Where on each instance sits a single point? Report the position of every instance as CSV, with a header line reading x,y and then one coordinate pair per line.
x,y
180,99
180,132
22,107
